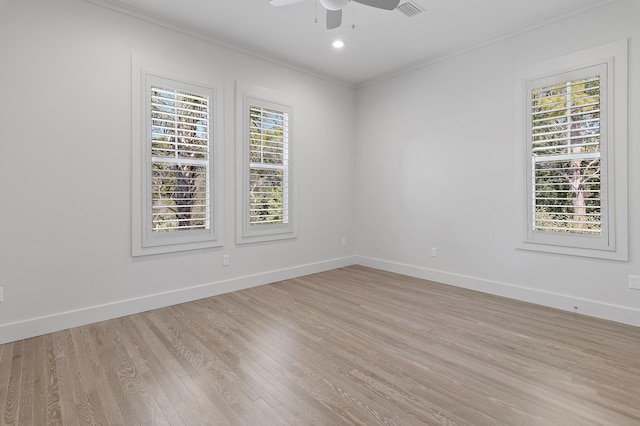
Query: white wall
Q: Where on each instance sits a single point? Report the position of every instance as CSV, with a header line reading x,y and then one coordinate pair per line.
x,y
65,209
435,168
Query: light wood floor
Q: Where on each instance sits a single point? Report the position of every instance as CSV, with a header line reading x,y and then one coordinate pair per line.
x,y
350,346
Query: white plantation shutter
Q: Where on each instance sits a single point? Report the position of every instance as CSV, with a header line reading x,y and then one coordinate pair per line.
x,y
268,166
264,166
180,158
566,156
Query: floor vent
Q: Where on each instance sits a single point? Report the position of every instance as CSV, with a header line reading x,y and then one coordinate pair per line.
x,y
410,9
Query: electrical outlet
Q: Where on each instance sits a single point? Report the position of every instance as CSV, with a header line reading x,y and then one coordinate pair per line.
x,y
434,252
225,260
1,294
344,241
634,282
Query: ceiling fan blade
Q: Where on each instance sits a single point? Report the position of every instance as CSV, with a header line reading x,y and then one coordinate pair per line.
x,y
380,4
334,18
283,2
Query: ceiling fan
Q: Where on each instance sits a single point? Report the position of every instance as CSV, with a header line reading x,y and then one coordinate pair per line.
x,y
334,7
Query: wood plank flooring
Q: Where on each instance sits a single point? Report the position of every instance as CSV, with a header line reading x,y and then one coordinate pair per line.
x,y
349,346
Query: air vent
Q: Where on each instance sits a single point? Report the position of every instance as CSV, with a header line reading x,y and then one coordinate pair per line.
x,y
410,9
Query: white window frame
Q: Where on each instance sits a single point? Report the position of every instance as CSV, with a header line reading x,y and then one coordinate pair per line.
x,y
611,61
246,232
145,74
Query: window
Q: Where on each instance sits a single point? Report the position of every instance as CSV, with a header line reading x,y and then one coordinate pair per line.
x,y
575,155
268,166
565,145
179,144
264,152
174,148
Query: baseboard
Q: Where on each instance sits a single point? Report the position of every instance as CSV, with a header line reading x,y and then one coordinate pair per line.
x,y
563,302
60,321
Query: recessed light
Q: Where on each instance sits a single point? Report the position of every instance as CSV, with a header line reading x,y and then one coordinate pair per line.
x,y
338,44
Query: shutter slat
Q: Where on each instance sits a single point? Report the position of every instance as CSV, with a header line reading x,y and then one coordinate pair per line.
x,y
564,147
563,127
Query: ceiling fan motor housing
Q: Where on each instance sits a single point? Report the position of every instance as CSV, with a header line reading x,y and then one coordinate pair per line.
x,y
334,4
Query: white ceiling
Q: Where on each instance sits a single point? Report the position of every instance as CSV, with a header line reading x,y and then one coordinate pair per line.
x,y
383,42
